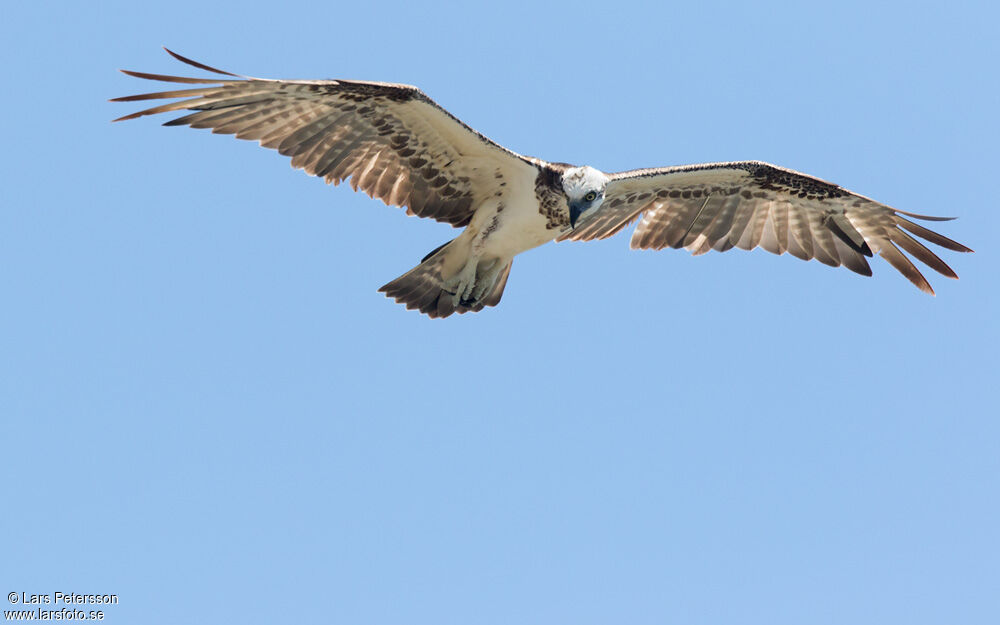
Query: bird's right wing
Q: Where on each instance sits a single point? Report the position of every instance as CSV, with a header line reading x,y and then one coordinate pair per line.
x,y
391,141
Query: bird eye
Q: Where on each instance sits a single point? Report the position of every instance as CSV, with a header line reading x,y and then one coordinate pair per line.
x,y
590,197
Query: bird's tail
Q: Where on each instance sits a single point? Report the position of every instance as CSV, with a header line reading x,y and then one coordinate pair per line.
x,y
423,287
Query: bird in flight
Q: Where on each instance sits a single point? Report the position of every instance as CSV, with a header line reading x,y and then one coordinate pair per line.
x,y
397,145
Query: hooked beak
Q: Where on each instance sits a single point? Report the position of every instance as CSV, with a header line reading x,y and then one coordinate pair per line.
x,y
575,210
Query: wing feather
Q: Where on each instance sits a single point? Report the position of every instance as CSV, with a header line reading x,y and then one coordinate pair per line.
x,y
718,206
705,217
906,267
919,251
852,258
801,235
930,235
769,235
390,141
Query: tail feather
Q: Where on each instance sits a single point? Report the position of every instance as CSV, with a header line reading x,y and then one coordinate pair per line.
x,y
493,298
422,288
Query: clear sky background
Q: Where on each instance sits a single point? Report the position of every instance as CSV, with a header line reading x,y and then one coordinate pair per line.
x,y
208,410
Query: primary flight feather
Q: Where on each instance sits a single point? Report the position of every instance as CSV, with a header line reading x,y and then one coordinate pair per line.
x,y
396,144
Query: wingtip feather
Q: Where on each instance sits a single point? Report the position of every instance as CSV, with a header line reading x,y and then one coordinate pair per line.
x,y
905,266
924,217
127,117
184,59
930,235
165,78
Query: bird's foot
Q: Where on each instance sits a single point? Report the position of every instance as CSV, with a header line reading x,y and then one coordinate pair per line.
x,y
486,282
469,286
462,284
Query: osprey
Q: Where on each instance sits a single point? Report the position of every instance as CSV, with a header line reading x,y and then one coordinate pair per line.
x,y
397,145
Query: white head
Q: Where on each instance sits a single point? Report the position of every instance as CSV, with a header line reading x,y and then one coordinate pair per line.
x,y
584,189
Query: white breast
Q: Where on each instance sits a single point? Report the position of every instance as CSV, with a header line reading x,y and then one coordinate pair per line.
x,y
517,226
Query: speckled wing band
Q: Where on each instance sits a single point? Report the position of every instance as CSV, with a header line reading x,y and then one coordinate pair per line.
x,y
391,141
719,206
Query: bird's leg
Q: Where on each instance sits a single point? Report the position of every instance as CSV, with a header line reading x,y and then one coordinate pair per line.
x,y
475,279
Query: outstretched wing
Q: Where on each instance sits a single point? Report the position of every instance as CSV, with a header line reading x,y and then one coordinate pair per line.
x,y
719,206
391,141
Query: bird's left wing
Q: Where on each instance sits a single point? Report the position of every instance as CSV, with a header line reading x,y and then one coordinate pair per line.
x,y
391,141
719,206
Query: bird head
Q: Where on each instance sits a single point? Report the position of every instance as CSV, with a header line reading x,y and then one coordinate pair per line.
x,y
584,189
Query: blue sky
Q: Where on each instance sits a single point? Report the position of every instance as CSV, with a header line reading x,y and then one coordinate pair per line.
x,y
209,411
